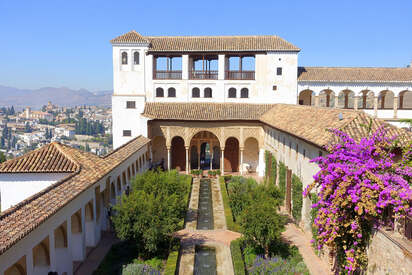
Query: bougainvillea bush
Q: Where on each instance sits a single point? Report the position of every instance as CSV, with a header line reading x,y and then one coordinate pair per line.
x,y
356,184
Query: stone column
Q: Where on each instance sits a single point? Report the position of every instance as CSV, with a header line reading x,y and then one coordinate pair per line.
x,y
222,167
185,66
395,107
316,101
52,251
198,154
221,67
375,106
262,167
29,260
241,160
168,158
355,103
187,159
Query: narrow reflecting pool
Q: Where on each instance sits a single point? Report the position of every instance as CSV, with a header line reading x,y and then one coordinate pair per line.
x,y
205,261
205,207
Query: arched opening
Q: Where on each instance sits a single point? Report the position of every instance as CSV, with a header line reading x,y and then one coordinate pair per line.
x,y
244,93
90,225
232,93
231,162
208,92
305,97
196,92
193,157
136,58
385,100
327,98
112,193
251,155
171,92
207,148
77,239
61,249
124,58
405,100
366,100
160,92
159,151
133,170
346,99
124,178
41,257
178,154
119,185
18,268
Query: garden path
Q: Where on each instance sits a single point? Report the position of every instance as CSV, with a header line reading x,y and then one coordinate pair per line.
x,y
302,241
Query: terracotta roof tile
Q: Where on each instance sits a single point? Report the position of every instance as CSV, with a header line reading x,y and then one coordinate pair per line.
x,y
352,74
17,222
205,111
208,43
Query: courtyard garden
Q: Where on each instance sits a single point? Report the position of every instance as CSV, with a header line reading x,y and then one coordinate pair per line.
x,y
144,222
253,210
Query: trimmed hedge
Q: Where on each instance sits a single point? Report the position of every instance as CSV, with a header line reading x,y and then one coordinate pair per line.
x,y
231,225
237,259
172,260
270,164
282,179
297,197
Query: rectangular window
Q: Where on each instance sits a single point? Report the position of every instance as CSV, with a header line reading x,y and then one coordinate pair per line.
x,y
131,104
279,71
275,87
127,133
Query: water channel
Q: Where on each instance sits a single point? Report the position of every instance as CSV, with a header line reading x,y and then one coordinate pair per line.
x,y
205,261
205,207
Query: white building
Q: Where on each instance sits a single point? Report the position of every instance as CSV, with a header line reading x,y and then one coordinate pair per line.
x,y
241,69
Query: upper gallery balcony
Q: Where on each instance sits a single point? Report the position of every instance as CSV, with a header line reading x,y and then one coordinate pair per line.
x,y
203,67
240,68
167,67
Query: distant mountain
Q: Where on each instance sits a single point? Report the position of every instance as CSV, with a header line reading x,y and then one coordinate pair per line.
x,y
21,98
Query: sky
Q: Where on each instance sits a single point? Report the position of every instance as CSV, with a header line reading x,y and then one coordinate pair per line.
x,y
66,43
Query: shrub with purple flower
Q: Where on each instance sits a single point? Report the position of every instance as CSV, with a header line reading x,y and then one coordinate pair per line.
x,y
356,183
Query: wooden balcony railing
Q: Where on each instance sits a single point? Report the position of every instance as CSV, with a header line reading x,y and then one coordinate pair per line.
x,y
167,75
203,74
236,75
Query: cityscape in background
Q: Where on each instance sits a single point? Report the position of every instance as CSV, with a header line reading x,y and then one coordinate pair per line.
x,y
85,127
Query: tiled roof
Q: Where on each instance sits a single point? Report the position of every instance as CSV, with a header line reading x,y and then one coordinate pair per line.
x,y
205,111
208,43
313,123
17,222
50,158
352,74
130,37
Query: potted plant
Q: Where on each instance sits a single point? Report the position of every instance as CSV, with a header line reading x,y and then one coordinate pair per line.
x,y
218,172
210,173
200,173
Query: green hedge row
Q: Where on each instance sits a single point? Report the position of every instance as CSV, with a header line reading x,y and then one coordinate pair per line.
x,y
172,260
271,165
297,197
282,179
238,263
231,225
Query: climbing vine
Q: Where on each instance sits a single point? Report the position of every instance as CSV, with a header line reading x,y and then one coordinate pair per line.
x,y
357,183
282,178
297,199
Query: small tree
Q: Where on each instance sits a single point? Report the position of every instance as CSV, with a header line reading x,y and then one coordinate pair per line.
x,y
2,157
262,224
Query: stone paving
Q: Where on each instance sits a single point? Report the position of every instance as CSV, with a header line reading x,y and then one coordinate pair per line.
x,y
219,238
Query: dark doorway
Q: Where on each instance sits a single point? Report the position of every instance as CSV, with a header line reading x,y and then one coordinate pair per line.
x,y
178,154
231,155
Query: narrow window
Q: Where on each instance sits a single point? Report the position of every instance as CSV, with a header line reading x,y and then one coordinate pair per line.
x,y
244,93
131,104
159,92
127,133
279,71
196,92
136,58
232,93
124,58
171,92
208,92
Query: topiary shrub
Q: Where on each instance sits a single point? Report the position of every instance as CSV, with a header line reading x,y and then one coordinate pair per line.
x,y
297,198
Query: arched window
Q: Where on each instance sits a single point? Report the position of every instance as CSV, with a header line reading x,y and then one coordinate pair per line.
x,y
244,93
232,93
136,58
171,92
208,92
124,58
196,92
159,92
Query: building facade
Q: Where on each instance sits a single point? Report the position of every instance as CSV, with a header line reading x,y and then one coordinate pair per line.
x,y
241,69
